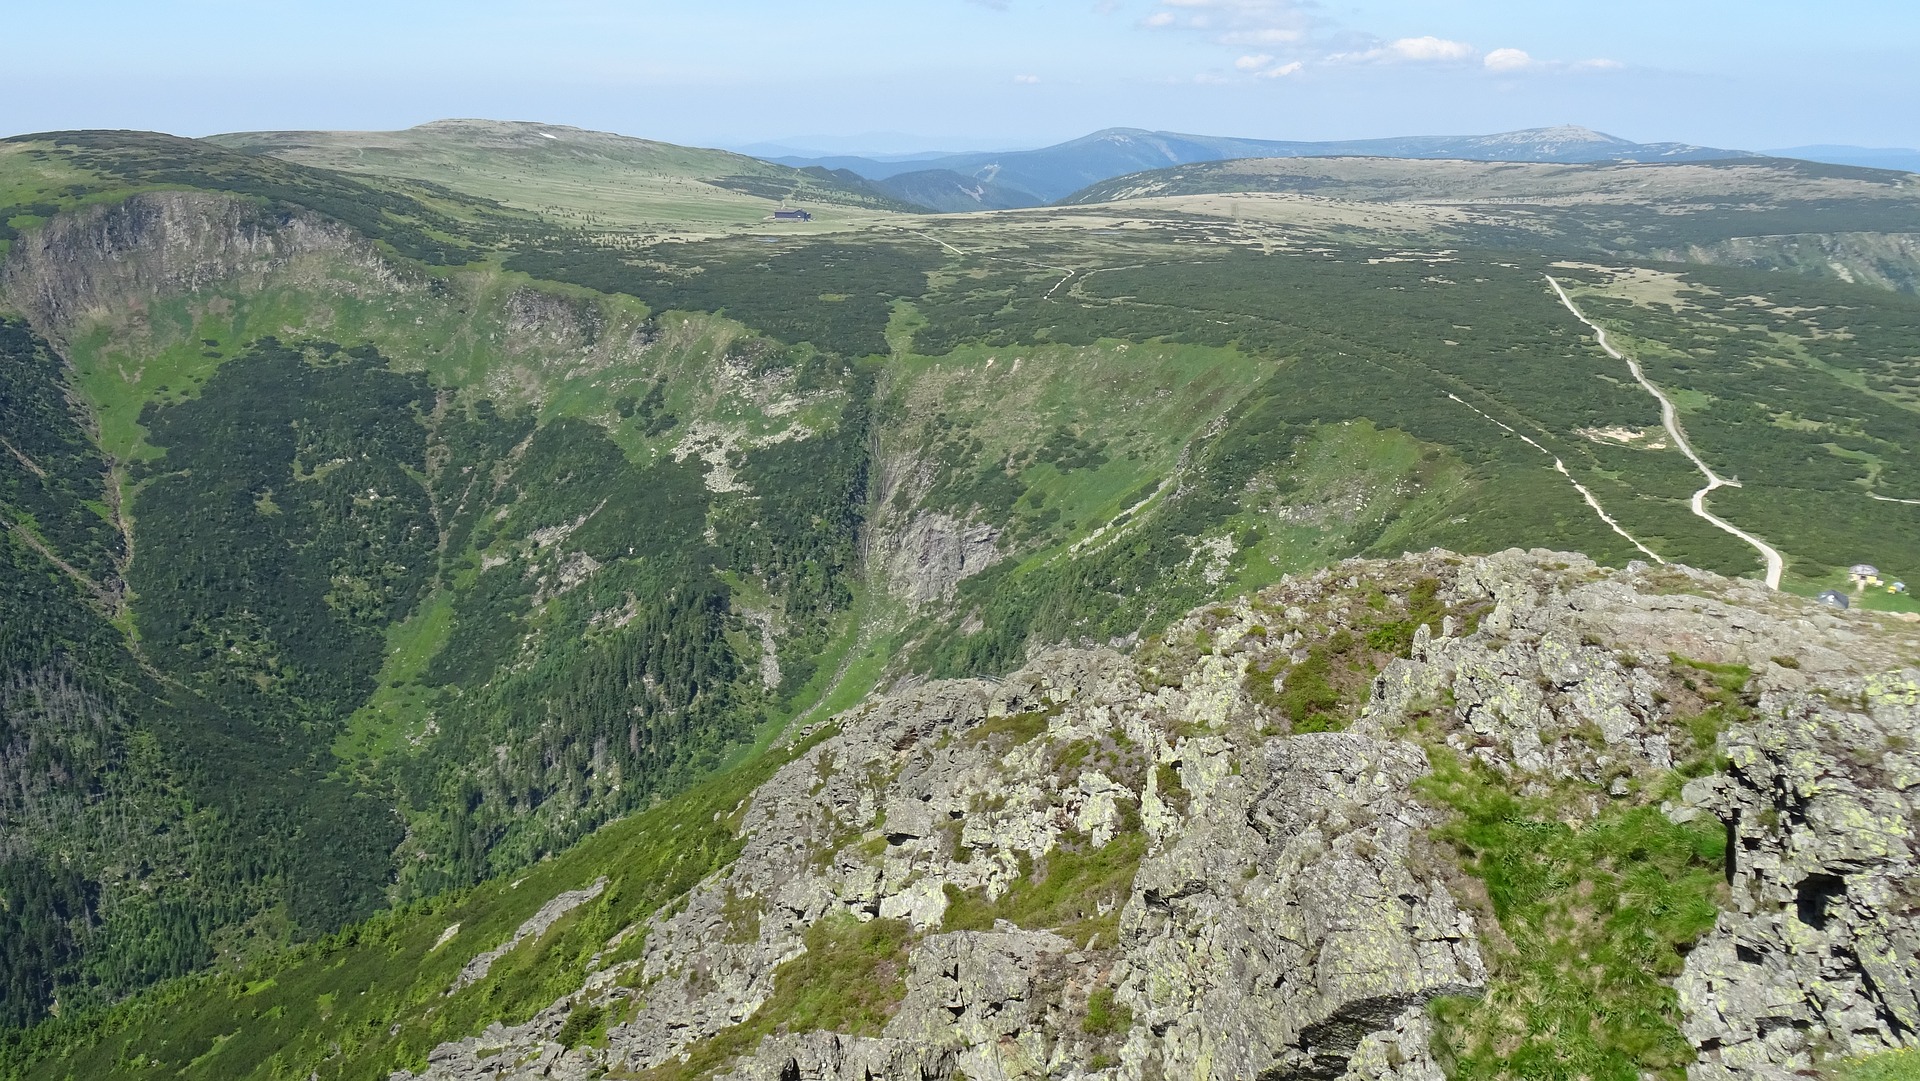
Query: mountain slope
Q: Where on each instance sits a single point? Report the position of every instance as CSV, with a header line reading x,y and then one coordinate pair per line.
x,y
377,545
581,178
949,192
1054,172
1347,826
1844,222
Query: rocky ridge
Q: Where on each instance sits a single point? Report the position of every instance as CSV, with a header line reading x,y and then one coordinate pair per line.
x,y
107,262
1171,863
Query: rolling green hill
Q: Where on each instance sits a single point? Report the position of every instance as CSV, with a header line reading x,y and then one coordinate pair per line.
x,y
586,179
1764,213
390,520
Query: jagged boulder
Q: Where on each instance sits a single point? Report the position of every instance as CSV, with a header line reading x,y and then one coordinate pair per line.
x,y
1150,865
1820,948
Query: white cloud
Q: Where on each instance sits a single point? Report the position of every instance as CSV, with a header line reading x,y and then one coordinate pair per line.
x,y
1237,22
1420,50
1508,60
1260,32
1430,48
1514,61
1272,35
1026,80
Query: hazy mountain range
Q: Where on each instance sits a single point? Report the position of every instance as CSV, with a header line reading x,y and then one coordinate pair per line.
x,y
1906,159
989,180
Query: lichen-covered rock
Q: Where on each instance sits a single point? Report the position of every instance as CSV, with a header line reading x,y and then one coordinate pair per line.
x,y
1284,922
1133,866
1820,949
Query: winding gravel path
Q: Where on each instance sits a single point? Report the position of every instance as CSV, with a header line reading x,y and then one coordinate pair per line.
x,y
1670,417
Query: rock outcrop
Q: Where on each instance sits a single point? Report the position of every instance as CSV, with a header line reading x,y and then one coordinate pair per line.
x,y
1820,951
930,556
1148,865
110,261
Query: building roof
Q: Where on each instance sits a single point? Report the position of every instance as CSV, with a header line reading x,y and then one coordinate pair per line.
x,y
1833,598
1863,568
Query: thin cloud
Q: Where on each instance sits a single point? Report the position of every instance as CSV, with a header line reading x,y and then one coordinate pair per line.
x,y
1263,32
1027,80
1508,60
1236,22
1518,61
1420,50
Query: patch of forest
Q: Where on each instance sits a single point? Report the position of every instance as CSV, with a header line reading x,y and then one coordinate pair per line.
x,y
834,294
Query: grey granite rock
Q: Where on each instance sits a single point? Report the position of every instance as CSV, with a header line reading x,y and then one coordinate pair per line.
x,y
1288,916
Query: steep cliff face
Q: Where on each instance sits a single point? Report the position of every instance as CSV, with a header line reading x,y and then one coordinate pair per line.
x,y
101,262
1249,849
1888,260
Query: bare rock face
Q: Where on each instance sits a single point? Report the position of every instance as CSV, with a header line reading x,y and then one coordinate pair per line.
x,y
102,261
935,552
1129,867
1282,924
1821,948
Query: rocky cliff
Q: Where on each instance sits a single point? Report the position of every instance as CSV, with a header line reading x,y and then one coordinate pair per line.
x,y
1260,846
109,261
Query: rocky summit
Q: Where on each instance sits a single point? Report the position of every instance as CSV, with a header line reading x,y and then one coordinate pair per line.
x,y
1371,822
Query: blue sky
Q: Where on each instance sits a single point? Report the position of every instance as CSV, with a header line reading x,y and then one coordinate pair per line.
x,y
958,74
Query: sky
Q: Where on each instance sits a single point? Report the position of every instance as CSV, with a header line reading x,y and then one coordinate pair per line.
x,y
902,75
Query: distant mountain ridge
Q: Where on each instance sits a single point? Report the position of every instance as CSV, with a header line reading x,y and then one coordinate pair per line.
x,y
1052,173
1905,159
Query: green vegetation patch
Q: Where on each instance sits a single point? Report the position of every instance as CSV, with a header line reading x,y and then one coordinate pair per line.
x,y
1901,1065
1596,920
851,979
774,288
374,998
1075,889
1595,912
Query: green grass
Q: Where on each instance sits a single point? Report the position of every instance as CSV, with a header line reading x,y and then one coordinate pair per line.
x,y
1065,892
586,180
1598,917
1901,1065
850,980
1870,599
1105,1017
379,727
